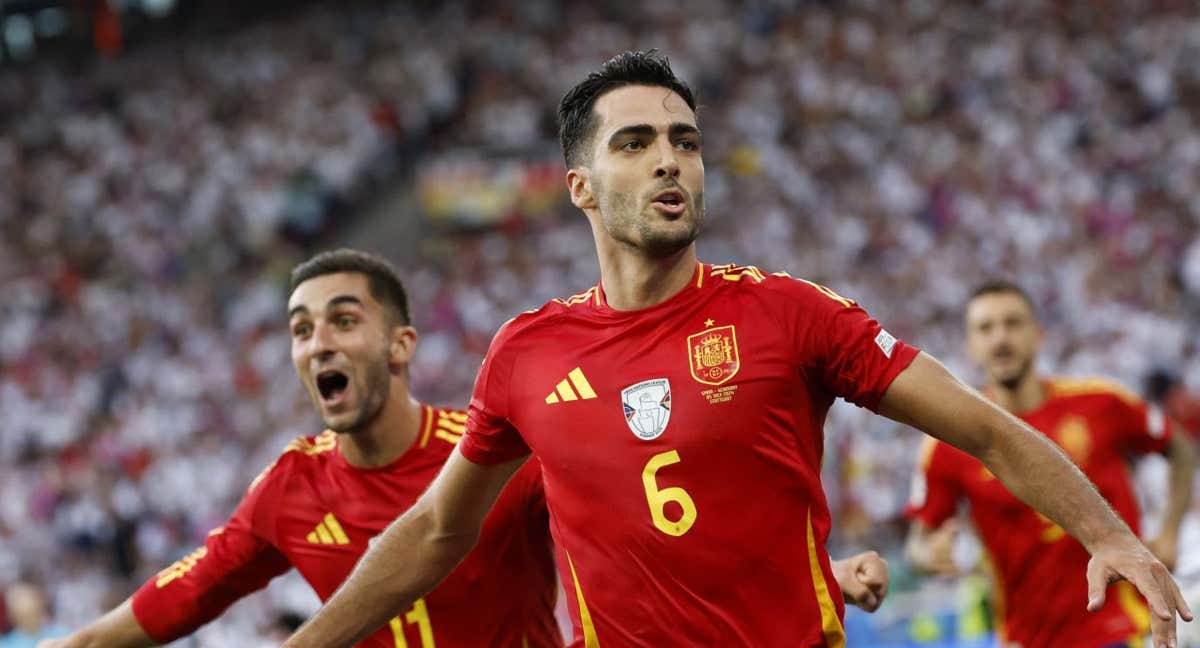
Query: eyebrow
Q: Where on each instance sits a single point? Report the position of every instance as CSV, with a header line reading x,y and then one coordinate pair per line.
x,y
646,130
340,299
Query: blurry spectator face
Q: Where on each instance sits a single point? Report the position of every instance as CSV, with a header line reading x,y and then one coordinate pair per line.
x,y
646,176
341,348
1003,337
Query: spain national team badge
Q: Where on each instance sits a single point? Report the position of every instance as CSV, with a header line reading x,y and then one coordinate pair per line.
x,y
647,407
714,355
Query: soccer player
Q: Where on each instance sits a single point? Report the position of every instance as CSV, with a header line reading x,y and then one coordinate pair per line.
x,y
1100,426
677,412
317,508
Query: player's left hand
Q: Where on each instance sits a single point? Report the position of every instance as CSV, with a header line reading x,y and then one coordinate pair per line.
x,y
1166,548
1128,559
863,579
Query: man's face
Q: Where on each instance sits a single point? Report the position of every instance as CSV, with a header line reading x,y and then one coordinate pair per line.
x,y
340,348
646,175
1003,337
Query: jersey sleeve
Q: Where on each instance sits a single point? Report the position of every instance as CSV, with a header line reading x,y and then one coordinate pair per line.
x,y
235,560
1143,427
840,346
934,495
490,437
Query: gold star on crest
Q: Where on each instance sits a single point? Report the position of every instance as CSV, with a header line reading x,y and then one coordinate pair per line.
x,y
708,322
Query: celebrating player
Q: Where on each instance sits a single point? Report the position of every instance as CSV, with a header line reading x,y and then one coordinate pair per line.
x,y
326,497
677,411
1099,425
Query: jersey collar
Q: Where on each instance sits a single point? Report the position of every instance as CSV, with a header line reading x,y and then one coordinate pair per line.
x,y
697,282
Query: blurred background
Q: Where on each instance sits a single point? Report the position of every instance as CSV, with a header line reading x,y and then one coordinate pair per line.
x,y
164,163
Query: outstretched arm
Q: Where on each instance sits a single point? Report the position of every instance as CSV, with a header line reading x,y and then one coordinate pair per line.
x,y
117,629
412,556
927,396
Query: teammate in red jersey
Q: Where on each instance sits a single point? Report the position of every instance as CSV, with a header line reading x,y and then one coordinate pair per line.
x,y
677,410
1100,426
326,497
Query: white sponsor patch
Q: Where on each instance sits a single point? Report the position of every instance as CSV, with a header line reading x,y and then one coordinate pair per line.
x,y
885,342
647,407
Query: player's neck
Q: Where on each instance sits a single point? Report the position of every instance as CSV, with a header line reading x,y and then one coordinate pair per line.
x,y
1027,395
388,436
632,280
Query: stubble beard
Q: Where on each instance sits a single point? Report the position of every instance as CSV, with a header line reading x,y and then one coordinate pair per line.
x,y
632,228
375,392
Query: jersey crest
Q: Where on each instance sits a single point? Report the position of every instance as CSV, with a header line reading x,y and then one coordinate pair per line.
x,y
647,407
714,355
1075,438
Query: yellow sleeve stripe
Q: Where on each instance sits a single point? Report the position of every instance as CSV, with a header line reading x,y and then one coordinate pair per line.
x,y
449,437
737,273
590,293
324,442
180,568
830,294
831,625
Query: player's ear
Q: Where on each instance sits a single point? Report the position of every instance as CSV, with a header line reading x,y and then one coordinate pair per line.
x,y
580,185
403,344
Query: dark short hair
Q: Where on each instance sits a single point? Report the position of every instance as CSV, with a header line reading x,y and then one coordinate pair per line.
x,y
1002,287
577,123
382,279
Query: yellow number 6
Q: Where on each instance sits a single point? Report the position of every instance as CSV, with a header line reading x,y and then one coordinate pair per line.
x,y
658,498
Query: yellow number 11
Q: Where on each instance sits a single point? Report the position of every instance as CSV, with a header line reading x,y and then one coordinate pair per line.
x,y
657,499
418,615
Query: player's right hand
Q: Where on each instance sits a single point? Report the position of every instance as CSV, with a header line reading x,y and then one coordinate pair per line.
x,y
1128,559
54,643
935,552
863,579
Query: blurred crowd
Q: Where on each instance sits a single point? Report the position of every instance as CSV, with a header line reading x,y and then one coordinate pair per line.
x,y
151,205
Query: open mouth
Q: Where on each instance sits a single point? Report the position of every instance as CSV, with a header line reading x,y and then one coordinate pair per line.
x,y
671,199
332,384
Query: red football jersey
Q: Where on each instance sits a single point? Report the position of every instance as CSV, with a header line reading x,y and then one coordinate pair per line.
x,y
314,511
1040,570
681,449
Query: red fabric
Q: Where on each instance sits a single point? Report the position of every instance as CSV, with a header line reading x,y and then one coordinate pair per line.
x,y
1041,570
748,451
501,595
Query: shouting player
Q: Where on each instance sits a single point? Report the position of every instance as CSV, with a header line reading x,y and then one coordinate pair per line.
x,y
326,497
677,410
1100,426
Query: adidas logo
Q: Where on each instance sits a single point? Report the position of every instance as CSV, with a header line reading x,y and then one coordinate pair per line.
x,y
564,392
328,532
